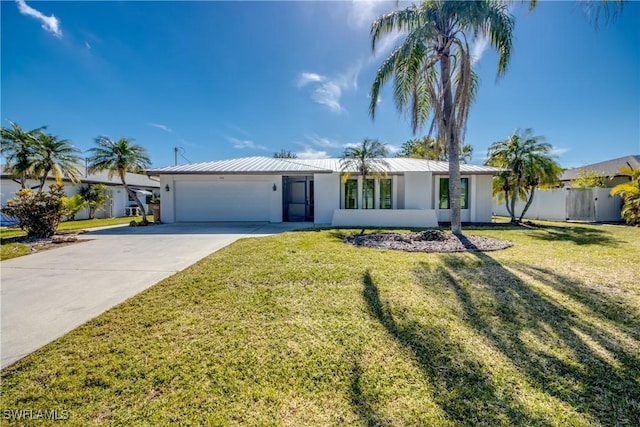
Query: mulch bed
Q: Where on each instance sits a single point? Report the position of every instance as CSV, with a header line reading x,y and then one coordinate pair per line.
x,y
427,241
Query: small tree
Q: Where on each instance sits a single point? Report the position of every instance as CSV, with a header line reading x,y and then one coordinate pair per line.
x,y
96,196
431,149
285,154
589,179
38,213
73,205
630,192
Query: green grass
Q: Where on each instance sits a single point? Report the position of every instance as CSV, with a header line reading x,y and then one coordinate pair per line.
x,y
13,250
301,329
7,232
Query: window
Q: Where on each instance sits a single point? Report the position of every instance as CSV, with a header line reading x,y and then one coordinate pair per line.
x,y
351,194
385,194
368,199
444,193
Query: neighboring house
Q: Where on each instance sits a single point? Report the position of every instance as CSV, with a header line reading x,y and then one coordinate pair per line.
x,y
579,204
414,192
116,206
608,168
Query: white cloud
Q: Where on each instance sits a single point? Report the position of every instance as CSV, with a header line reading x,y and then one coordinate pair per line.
x,y
559,151
393,149
363,12
49,23
161,127
306,78
319,141
328,91
310,153
329,95
386,43
245,143
87,45
478,47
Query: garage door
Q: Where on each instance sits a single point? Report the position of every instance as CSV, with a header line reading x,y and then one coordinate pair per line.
x,y
222,201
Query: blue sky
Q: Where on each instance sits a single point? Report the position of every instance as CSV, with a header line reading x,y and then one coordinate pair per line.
x,y
234,79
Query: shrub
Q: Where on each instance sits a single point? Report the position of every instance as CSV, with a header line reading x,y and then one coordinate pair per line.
x,y
38,213
96,196
73,205
630,192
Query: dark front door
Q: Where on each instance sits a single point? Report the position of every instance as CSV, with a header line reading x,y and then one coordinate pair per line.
x,y
297,198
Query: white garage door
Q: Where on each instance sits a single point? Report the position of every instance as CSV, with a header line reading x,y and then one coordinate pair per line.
x,y
222,201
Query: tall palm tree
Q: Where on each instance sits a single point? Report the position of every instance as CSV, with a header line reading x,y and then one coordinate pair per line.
x,y
119,157
432,69
56,157
367,159
17,145
527,165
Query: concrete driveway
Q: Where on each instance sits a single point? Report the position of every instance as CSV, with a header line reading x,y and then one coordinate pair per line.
x,y
47,294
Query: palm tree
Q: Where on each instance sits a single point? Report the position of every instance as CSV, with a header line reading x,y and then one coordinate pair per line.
x,y
96,196
120,157
630,192
56,157
17,145
432,69
431,149
367,159
526,164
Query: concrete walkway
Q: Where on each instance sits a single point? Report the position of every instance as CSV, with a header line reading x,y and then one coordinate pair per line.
x,y
49,293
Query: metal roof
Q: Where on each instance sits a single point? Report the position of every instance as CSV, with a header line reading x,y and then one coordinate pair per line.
x,y
607,168
269,165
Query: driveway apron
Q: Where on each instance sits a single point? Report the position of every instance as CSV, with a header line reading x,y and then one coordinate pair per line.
x,y
47,294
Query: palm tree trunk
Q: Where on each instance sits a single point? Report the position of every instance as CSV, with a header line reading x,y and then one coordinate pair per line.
x,y
507,203
365,200
134,196
515,193
43,180
452,144
529,201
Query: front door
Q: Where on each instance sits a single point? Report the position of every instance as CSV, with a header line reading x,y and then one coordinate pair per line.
x,y
297,198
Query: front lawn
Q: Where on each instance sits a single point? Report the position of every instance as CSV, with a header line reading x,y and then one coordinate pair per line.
x,y
300,329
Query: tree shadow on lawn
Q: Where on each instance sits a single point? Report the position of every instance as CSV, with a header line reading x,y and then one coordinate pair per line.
x,y
462,388
598,371
361,402
577,235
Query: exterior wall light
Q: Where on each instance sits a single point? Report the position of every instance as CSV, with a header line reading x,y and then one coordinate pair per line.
x,y
274,187
166,187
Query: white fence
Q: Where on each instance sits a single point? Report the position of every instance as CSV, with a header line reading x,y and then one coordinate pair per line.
x,y
565,204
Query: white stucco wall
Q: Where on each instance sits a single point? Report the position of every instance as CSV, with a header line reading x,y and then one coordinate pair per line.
x,y
481,201
326,196
418,218
417,190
